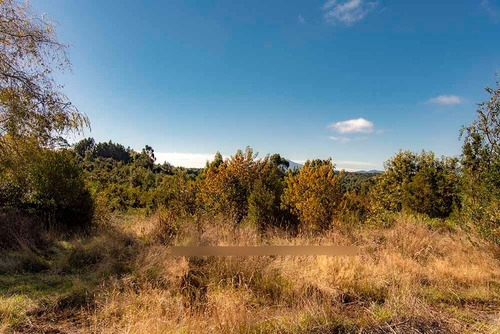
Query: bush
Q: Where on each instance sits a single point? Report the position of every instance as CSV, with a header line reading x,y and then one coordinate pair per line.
x,y
314,194
18,228
121,179
167,225
418,183
177,193
264,202
59,190
245,187
481,167
46,183
354,209
226,186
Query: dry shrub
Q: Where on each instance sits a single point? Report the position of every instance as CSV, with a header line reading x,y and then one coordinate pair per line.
x,y
18,228
155,266
166,225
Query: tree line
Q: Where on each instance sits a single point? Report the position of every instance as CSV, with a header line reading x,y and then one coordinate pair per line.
x,y
74,186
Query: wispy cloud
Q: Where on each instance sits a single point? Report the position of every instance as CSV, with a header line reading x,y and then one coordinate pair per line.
x,y
490,9
347,11
344,140
301,19
340,139
446,100
189,160
358,125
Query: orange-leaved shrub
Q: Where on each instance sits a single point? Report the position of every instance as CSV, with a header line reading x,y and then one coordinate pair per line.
x,y
314,193
244,186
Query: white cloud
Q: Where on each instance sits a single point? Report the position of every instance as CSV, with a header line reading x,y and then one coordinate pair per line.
x,y
189,160
301,19
358,125
347,11
447,100
329,4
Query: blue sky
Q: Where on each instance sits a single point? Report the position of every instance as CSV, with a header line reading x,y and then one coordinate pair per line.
x,y
353,80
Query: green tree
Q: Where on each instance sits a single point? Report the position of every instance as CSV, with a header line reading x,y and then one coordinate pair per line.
x,y
31,102
84,147
264,202
218,160
245,187
112,150
48,183
418,183
279,161
481,166
146,158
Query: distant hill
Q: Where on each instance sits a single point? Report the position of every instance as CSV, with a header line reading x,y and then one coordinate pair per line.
x,y
372,171
294,164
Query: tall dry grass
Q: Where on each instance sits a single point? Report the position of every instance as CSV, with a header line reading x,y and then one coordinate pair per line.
x,y
413,277
409,278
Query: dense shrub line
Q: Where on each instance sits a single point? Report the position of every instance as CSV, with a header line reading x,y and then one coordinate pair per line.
x,y
66,186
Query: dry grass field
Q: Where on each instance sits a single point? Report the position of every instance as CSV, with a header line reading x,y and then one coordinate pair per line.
x,y
414,277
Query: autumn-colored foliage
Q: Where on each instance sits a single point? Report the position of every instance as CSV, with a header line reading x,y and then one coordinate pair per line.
x,y
244,186
314,194
226,187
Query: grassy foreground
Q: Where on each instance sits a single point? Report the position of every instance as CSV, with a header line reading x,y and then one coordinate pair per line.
x,y
411,278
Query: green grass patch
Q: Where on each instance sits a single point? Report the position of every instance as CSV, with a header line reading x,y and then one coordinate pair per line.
x,y
34,285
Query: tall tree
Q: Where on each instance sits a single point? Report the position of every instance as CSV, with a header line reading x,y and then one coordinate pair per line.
x,y
481,166
31,102
83,146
